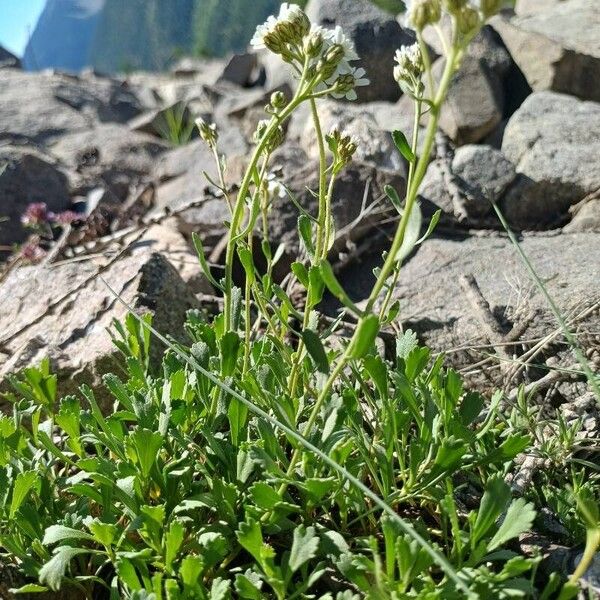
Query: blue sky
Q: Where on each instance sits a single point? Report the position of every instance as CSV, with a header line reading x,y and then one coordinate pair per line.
x,y
17,20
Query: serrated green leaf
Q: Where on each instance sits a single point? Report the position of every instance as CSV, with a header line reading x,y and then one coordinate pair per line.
x,y
24,483
52,573
406,343
220,589
147,444
173,541
305,544
519,518
493,502
58,533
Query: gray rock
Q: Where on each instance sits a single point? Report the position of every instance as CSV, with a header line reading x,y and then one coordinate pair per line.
x,y
483,171
73,335
376,35
374,144
554,141
40,107
240,69
586,217
181,169
27,175
477,173
434,305
110,155
8,60
359,182
557,47
531,7
475,103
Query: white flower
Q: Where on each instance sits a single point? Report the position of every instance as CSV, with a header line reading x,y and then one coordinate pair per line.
x,y
338,37
258,41
410,63
290,13
274,187
347,79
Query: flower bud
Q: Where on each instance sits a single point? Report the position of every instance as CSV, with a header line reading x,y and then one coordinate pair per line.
x,y
278,100
489,7
207,132
454,6
424,12
325,69
343,84
274,42
313,44
334,55
468,20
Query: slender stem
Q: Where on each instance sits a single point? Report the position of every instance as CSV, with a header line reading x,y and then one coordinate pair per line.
x,y
427,63
314,414
221,177
323,212
238,210
390,262
323,232
411,171
592,543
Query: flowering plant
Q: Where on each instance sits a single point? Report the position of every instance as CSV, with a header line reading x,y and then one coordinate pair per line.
x,y
267,460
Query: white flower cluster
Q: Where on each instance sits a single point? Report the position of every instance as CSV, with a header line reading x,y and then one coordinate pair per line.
x,y
328,52
469,14
409,63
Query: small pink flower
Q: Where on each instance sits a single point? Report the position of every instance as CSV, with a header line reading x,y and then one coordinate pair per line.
x,y
66,217
31,252
35,214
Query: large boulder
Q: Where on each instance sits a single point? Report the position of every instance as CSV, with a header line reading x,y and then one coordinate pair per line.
x,y
63,311
556,45
436,304
554,142
27,175
477,174
475,102
40,107
376,36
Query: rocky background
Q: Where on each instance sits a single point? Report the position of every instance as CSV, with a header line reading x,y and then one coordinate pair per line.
x,y
123,192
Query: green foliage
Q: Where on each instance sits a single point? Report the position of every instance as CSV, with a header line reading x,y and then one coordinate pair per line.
x,y
180,501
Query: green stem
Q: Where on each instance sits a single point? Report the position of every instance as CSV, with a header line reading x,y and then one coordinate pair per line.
x,y
592,542
390,262
421,168
323,212
238,210
411,171
323,232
